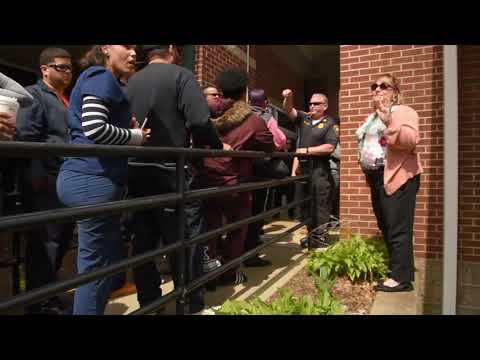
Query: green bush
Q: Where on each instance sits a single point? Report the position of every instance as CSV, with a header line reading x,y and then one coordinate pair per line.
x,y
357,259
323,303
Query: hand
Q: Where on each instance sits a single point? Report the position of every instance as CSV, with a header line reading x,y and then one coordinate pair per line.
x,y
7,126
383,111
287,93
134,124
146,134
301,151
227,147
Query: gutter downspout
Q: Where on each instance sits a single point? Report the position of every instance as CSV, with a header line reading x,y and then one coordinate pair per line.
x,y
450,180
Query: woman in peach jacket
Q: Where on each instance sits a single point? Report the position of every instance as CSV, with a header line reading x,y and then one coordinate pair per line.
x,y
388,157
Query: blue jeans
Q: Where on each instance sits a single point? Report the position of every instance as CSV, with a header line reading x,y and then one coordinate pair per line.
x,y
99,238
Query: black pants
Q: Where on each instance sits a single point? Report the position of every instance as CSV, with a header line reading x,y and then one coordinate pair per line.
x,y
335,193
253,233
377,193
47,245
322,193
157,227
396,215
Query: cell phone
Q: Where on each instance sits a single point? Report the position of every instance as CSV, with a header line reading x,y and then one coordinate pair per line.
x,y
144,123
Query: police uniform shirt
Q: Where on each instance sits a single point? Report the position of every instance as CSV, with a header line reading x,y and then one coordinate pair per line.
x,y
316,132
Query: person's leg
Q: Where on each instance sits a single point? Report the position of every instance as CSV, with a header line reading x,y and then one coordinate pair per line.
x,y
335,194
253,231
377,193
195,226
98,238
47,245
236,207
322,190
147,227
400,215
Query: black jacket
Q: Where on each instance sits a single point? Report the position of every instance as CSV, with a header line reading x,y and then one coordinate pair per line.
x,y
170,97
44,121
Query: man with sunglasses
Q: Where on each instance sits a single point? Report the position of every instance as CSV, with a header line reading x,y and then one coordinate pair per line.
x,y
46,121
211,94
318,136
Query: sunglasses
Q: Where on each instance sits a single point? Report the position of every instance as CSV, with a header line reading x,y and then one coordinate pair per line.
x,y
61,67
316,103
382,86
215,94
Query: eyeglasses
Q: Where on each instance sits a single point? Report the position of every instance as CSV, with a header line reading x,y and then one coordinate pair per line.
x,y
61,67
317,103
215,94
383,86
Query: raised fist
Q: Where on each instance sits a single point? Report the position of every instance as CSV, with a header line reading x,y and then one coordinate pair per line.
x,y
287,93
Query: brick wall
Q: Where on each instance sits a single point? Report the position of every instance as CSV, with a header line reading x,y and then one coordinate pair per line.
x,y
420,71
469,152
269,66
212,59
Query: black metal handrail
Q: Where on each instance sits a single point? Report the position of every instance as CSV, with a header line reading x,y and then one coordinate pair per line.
x,y
184,285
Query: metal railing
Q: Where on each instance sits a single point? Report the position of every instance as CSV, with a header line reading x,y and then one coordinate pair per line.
x,y
183,286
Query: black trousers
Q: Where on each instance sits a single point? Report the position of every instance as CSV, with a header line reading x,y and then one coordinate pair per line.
x,y
157,227
396,215
46,245
377,193
322,193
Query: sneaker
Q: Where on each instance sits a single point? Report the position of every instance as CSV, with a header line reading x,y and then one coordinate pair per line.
x,y
257,261
233,279
314,242
212,310
50,307
209,264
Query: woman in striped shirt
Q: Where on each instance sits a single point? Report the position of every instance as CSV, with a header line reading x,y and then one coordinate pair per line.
x,y
99,114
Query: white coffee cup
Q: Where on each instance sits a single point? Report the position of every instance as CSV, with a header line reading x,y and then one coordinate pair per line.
x,y
9,105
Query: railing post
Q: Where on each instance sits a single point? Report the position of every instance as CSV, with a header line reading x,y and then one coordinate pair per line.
x,y
180,284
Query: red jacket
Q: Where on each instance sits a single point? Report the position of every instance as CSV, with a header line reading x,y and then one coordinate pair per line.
x,y
240,128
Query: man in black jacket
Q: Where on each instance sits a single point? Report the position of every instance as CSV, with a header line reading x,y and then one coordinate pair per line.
x,y
167,98
46,121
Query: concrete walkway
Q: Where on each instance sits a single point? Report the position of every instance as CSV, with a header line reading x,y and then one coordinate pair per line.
x,y
402,303
287,260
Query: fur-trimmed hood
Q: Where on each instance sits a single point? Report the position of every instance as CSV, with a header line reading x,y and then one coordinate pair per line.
x,y
234,116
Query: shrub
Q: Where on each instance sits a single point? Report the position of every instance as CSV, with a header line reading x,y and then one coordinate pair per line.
x,y
356,258
323,303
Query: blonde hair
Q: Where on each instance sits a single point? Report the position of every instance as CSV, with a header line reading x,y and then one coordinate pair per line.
x,y
397,97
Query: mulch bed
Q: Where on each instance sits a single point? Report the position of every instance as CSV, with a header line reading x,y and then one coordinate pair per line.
x,y
358,298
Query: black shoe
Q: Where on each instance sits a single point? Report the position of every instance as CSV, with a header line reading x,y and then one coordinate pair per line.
x,y
233,279
405,286
313,243
257,262
49,308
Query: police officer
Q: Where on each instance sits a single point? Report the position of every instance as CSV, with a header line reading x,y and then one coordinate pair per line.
x,y
318,136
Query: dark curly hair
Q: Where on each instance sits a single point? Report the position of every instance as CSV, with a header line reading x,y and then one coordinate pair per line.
x,y
233,83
